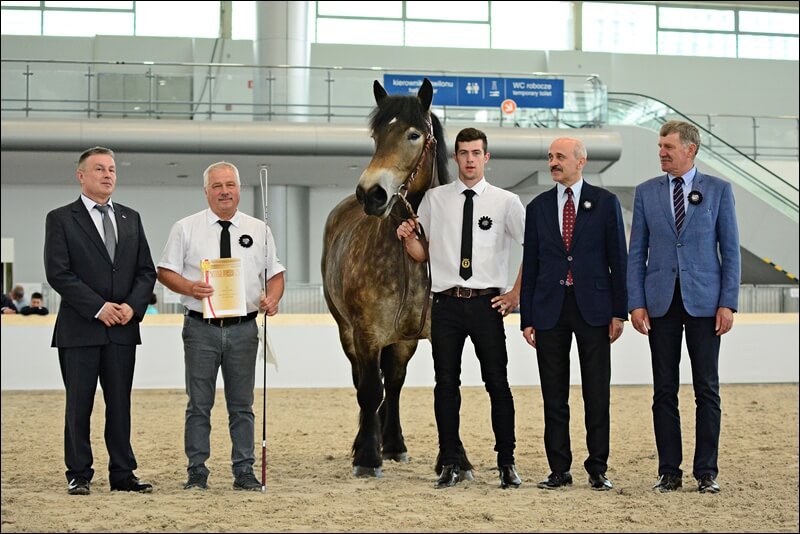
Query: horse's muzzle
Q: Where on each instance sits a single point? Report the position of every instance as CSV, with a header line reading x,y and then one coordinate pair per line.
x,y
374,201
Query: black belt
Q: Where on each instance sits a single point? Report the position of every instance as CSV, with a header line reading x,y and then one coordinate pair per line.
x,y
468,293
223,321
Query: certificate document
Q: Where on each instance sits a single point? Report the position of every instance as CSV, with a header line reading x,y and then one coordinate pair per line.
x,y
227,277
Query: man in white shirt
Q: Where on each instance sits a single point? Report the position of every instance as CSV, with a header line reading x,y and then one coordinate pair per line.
x,y
231,342
470,226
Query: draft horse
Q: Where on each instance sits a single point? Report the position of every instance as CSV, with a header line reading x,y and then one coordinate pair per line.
x,y
378,296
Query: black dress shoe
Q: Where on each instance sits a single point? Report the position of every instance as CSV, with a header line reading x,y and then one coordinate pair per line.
x,y
78,486
707,484
668,482
556,480
132,484
599,482
509,477
449,477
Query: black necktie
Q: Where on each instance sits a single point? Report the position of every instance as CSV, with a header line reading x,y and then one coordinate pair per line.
x,y
677,201
108,230
225,240
466,236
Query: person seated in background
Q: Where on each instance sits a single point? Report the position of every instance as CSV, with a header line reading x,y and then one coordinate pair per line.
x,y
18,296
36,307
151,308
7,305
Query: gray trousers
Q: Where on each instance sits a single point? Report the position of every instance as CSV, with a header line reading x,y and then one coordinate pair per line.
x,y
207,348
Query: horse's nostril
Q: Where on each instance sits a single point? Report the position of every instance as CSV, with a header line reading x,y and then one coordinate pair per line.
x,y
377,196
360,195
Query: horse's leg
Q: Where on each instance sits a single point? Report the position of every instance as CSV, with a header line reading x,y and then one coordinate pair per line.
x,y
394,361
369,391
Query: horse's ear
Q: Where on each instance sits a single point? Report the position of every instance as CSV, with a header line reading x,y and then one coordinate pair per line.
x,y
425,94
378,91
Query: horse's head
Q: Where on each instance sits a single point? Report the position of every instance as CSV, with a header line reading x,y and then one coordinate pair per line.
x,y
406,157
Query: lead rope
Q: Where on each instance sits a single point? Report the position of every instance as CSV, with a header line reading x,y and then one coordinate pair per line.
x,y
430,147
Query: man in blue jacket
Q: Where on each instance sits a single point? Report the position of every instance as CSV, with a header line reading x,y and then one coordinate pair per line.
x,y
683,275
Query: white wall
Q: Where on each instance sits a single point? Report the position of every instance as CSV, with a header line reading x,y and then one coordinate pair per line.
x,y
759,349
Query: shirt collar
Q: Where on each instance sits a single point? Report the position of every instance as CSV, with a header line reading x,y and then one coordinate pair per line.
x,y
688,178
212,218
479,188
90,204
576,189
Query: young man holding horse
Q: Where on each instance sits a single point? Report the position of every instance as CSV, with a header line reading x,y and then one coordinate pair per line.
x,y
468,282
230,342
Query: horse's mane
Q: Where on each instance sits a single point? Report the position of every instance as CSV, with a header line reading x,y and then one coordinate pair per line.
x,y
409,110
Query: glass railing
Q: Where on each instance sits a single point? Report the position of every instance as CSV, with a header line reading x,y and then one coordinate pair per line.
x,y
645,111
241,92
760,137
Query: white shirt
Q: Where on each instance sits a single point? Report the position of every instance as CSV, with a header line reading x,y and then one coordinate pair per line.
x,y
498,221
196,238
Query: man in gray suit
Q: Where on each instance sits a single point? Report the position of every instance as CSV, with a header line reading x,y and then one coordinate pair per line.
x,y
97,258
684,270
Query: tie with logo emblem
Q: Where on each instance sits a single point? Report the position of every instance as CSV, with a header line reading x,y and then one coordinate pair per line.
x,y
466,236
568,226
677,201
108,230
225,240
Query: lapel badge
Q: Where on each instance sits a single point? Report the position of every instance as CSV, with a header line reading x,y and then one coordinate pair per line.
x,y
587,205
695,197
485,222
246,241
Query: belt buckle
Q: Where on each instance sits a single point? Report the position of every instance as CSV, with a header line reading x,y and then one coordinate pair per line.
x,y
464,292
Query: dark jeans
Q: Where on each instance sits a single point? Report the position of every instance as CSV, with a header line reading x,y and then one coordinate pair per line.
x,y
452,321
553,356
665,345
81,367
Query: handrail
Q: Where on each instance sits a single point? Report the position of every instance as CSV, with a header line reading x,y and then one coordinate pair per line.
x,y
211,91
645,114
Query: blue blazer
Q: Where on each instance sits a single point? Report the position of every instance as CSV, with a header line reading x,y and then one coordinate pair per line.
x,y
706,253
79,268
597,257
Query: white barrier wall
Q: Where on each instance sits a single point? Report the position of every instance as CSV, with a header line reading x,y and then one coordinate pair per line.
x,y
761,348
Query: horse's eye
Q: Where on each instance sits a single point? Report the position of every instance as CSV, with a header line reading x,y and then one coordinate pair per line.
x,y
413,136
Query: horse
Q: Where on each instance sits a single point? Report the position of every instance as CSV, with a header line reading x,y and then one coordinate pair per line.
x,y
378,296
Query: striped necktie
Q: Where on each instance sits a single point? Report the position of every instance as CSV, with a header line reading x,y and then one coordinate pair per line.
x,y
677,201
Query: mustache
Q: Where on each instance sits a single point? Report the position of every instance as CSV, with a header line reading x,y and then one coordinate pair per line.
x,y
556,168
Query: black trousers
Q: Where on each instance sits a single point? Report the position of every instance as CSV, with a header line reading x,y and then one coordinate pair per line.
x,y
703,344
81,367
452,321
594,352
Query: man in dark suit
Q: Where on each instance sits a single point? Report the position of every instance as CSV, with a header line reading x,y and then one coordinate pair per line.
x,y
683,275
97,258
573,282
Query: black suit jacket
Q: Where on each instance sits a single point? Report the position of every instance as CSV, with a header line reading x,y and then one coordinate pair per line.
x,y
598,258
79,268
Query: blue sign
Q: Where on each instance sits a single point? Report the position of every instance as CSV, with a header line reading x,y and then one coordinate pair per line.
x,y
473,91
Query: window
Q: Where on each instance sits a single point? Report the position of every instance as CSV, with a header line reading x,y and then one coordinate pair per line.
x,y
621,28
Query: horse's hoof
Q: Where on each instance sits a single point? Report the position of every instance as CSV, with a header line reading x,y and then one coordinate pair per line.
x,y
362,472
466,474
400,457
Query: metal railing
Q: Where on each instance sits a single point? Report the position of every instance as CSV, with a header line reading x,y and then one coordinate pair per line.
x,y
246,92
